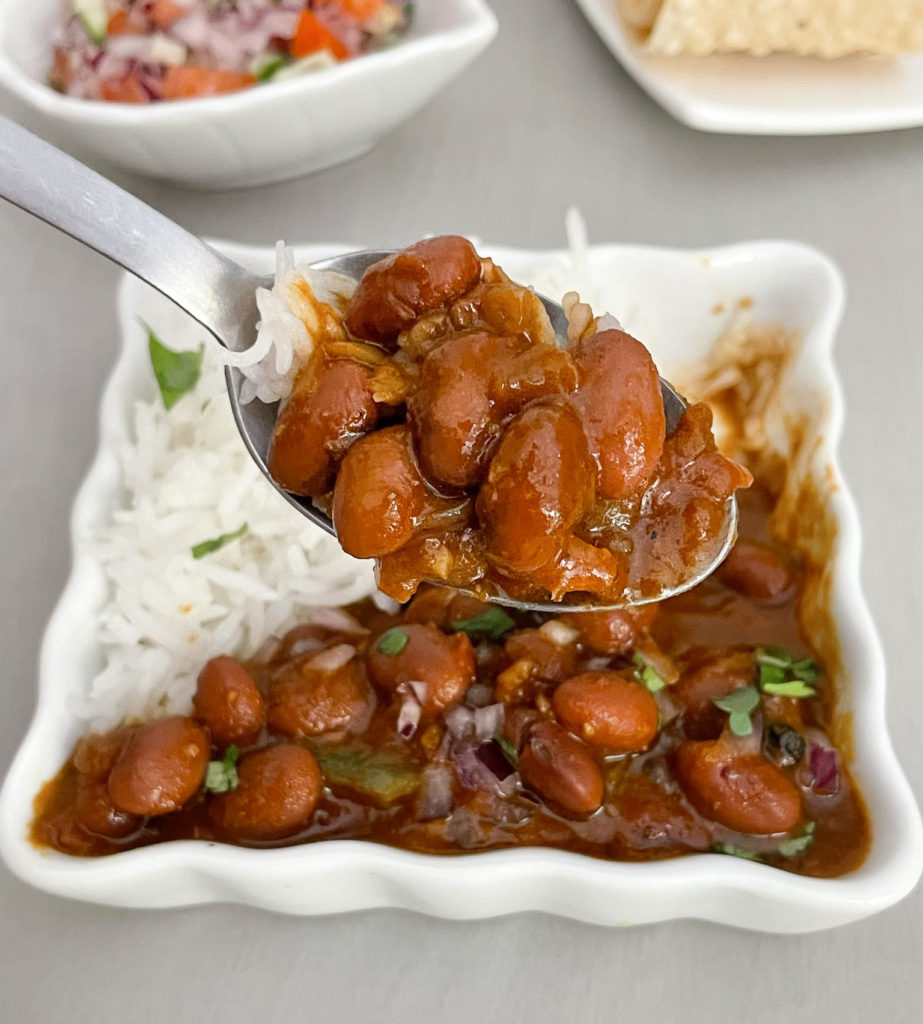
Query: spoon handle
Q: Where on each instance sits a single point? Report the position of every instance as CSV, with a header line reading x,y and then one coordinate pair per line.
x,y
63,192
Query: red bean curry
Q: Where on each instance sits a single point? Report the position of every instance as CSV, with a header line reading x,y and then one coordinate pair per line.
x,y
452,439
454,726
703,723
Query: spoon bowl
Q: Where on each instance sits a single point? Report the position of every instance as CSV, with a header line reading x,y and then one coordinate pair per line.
x,y
221,295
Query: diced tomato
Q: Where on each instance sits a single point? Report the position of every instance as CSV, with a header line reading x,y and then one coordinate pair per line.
x,y
361,9
163,13
185,82
119,24
311,36
123,89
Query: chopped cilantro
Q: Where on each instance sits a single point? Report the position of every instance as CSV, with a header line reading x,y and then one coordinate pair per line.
x,y
392,641
790,688
739,704
492,623
509,751
736,851
647,674
96,33
265,67
176,372
221,776
798,844
781,675
206,547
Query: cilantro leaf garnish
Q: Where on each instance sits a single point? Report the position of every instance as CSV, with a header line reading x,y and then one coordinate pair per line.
x,y
798,844
176,372
780,674
647,674
221,776
789,688
739,704
392,641
265,69
736,851
492,623
509,751
206,547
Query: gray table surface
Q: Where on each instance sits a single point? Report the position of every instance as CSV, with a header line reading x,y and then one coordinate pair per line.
x,y
544,119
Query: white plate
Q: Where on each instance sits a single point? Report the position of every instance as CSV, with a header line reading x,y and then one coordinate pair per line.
x,y
785,283
775,95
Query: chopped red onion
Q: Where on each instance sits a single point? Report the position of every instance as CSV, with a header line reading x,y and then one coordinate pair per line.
x,y
332,658
492,755
460,721
471,771
415,686
607,322
825,767
409,716
488,721
336,620
436,796
484,767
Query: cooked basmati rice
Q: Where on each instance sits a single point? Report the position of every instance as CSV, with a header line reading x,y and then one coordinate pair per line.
x,y
187,478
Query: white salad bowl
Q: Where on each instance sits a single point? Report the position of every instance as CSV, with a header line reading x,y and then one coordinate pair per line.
x,y
778,283
259,135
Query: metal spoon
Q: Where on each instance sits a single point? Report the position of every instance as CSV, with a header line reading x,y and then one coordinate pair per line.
x,y
215,291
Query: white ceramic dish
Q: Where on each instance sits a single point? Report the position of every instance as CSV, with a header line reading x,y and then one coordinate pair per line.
x,y
259,135
786,283
776,95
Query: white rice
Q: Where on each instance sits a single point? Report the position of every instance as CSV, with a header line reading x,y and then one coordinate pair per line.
x,y
188,478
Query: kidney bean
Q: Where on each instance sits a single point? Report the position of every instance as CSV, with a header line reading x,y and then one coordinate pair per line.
x,y
443,664
756,571
228,703
161,766
736,786
318,423
699,685
455,422
540,482
621,406
612,632
608,710
379,494
397,289
277,791
561,769
306,698
98,814
468,387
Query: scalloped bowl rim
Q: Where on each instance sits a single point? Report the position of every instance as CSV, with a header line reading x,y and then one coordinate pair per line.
x,y
340,875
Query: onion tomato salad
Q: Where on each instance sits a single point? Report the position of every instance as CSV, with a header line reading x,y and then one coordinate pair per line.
x,y
144,51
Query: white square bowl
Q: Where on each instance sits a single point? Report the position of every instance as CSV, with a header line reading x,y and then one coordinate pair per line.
x,y
669,298
259,135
